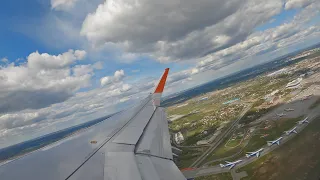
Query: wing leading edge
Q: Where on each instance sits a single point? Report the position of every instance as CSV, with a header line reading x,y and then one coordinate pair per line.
x,y
137,147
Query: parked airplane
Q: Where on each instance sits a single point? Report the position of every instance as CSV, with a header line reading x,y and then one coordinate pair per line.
x,y
277,141
305,120
293,130
136,148
255,153
281,114
289,109
230,164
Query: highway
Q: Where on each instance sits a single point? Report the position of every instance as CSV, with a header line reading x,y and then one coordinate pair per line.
x,y
217,169
219,139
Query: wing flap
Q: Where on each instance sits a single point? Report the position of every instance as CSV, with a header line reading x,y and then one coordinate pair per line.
x,y
155,140
132,132
158,169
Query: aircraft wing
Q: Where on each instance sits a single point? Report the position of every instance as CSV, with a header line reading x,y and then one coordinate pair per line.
x,y
137,147
258,154
232,166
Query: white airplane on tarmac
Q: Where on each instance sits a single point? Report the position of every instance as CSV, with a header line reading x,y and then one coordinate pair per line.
x,y
281,114
305,120
230,164
289,109
255,153
293,130
277,141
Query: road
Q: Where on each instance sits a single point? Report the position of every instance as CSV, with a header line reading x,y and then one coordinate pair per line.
x,y
229,157
219,139
217,169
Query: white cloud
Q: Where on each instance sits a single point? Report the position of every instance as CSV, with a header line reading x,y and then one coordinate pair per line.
x,y
98,65
105,80
117,77
47,61
292,4
4,60
171,30
62,4
135,70
81,70
45,79
262,42
194,71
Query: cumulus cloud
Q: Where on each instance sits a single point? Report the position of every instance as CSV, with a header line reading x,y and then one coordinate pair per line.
x,y
292,4
43,80
171,30
4,60
47,61
261,42
117,77
98,65
62,4
81,70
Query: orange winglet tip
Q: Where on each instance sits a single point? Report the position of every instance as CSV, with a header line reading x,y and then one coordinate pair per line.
x,y
162,81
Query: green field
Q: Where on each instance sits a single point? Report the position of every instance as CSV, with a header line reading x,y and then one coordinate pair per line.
x,y
224,151
297,159
255,141
188,156
222,176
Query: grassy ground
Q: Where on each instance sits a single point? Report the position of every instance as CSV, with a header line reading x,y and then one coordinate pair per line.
x,y
275,130
234,143
222,176
224,151
296,159
256,141
188,156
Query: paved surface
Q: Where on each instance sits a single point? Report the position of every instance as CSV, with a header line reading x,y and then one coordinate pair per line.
x,y
219,139
238,176
217,169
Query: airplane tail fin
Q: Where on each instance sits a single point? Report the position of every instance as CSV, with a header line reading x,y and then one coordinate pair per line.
x,y
269,143
160,87
221,165
247,155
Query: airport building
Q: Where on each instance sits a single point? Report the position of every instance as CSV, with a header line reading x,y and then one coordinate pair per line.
x,y
178,137
294,84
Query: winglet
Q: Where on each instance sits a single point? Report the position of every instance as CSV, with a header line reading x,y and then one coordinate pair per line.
x,y
158,92
162,82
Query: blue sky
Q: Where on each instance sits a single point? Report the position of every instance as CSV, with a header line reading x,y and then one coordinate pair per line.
x,y
62,60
